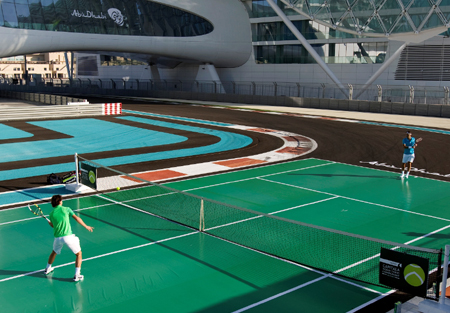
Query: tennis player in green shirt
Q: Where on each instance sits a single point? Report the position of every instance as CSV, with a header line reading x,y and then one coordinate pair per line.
x,y
59,220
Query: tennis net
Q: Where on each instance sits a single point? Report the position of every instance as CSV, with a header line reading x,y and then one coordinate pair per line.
x,y
344,254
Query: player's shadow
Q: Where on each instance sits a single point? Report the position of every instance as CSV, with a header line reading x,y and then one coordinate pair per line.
x,y
5,274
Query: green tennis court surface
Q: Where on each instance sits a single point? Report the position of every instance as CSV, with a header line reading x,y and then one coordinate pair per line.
x,y
134,261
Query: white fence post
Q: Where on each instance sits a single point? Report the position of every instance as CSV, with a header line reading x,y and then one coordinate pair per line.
x,y
380,93
446,92
411,94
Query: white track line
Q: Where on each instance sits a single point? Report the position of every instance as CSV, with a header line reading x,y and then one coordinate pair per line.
x,y
357,200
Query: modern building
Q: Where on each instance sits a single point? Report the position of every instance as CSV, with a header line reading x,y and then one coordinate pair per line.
x,y
395,42
38,66
163,33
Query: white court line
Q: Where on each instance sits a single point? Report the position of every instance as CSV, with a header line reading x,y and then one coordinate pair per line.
x,y
144,245
344,268
243,309
371,301
136,247
142,211
330,275
102,255
47,215
272,213
93,207
395,248
357,200
288,291
281,294
256,177
110,253
23,220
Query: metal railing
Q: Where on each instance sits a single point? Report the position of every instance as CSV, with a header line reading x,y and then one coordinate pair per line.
x,y
143,87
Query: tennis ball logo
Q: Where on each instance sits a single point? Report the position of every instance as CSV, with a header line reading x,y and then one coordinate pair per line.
x,y
92,177
414,275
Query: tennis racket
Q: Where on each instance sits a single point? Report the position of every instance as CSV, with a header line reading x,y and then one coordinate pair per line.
x,y
36,210
418,139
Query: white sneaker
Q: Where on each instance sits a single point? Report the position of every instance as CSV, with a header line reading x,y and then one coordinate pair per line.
x,y
407,175
48,270
78,278
403,175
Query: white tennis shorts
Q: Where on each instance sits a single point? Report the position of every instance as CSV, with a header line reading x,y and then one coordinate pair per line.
x,y
408,158
72,241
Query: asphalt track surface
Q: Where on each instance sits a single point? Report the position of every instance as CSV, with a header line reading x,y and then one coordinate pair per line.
x,y
338,141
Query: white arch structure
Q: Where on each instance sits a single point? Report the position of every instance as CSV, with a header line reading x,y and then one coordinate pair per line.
x,y
227,45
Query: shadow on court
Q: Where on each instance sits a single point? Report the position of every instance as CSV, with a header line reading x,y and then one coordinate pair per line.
x,y
435,236
295,294
347,175
142,233
52,276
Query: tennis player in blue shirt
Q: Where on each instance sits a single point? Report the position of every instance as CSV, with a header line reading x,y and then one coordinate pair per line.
x,y
409,144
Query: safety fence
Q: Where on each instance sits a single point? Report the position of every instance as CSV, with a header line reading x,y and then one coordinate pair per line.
x,y
103,86
426,102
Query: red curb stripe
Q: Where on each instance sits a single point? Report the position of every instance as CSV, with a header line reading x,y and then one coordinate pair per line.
x,y
155,175
240,162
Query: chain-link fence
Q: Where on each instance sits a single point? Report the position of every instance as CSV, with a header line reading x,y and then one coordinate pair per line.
x,y
141,87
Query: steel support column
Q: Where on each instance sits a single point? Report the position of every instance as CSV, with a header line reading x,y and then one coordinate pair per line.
x,y
385,65
307,46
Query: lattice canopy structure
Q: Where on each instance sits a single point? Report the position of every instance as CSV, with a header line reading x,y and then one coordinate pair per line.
x,y
376,18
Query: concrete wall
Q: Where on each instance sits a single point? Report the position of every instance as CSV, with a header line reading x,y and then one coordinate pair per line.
x,y
39,97
435,110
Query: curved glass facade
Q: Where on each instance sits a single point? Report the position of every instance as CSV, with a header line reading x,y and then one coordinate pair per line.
x,y
383,17
113,17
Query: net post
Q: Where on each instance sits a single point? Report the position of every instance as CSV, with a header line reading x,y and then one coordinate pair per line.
x,y
444,276
201,226
76,167
438,276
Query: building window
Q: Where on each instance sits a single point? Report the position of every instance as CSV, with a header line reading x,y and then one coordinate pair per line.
x,y
331,53
107,60
133,18
311,30
260,8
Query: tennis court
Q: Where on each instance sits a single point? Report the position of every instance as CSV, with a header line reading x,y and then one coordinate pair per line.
x,y
136,261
